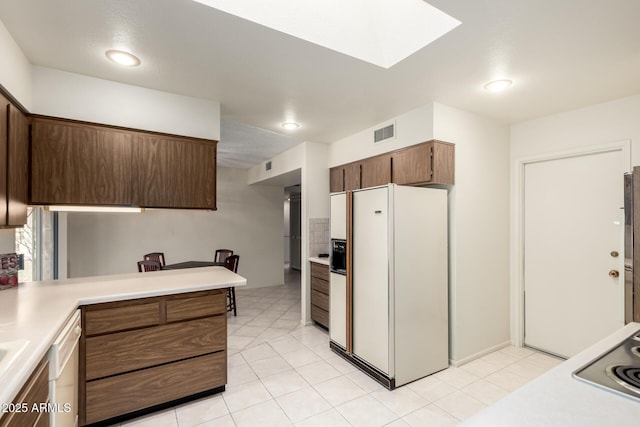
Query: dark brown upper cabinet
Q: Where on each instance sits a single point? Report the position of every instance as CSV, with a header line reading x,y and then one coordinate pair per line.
x,y
79,163
352,176
336,179
345,177
74,163
431,162
376,171
14,161
427,163
175,172
18,168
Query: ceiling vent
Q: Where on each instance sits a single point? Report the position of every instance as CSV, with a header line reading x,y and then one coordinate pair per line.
x,y
267,166
383,133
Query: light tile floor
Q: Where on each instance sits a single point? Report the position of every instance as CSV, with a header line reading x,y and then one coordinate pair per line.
x,y
283,374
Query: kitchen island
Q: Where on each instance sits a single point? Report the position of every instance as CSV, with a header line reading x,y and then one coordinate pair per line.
x,y
36,312
558,399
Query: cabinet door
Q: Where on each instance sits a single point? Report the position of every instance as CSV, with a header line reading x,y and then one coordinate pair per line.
x,y
336,179
412,165
376,171
79,164
174,172
17,165
352,177
4,123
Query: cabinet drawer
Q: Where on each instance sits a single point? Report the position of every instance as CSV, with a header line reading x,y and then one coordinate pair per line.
x,y
320,300
110,397
35,391
197,306
120,318
319,315
319,285
127,351
320,271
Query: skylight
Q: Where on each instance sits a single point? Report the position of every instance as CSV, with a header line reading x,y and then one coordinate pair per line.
x,y
381,32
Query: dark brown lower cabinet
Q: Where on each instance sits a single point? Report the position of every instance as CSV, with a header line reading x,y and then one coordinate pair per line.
x,y
34,393
121,394
320,294
138,354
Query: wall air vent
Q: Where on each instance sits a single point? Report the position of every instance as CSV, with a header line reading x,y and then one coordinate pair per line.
x,y
386,132
267,166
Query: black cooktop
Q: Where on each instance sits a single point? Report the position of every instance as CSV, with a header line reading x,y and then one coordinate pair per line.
x,y
617,370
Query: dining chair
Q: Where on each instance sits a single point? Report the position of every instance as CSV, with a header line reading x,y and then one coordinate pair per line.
x,y
231,263
221,255
149,265
155,256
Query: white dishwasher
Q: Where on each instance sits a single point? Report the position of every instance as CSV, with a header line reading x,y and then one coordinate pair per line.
x,y
63,375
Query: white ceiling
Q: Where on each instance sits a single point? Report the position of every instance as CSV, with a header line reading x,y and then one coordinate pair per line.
x,y
561,55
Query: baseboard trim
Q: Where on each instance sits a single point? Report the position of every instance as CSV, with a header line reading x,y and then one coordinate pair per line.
x,y
479,354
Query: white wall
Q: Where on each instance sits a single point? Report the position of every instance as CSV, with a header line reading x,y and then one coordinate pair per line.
x,y
315,204
411,128
15,69
478,232
594,125
74,96
289,162
248,220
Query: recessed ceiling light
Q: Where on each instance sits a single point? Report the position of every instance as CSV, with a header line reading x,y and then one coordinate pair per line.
x,y
123,58
290,125
497,85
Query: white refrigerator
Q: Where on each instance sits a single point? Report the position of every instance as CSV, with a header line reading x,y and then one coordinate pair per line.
x,y
399,282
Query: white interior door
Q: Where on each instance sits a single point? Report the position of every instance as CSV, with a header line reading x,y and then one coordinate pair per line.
x,y
572,222
371,277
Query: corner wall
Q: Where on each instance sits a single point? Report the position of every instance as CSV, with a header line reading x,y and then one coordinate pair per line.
x,y
478,232
15,71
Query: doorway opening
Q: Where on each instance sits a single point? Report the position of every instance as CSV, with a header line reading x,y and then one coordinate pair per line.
x,y
292,234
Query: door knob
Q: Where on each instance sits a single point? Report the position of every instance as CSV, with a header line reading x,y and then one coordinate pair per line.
x,y
614,273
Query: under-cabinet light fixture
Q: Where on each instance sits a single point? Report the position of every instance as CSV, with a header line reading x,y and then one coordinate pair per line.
x,y
123,58
116,209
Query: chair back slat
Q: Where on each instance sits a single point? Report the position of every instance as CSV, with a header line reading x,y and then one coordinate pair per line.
x,y
221,255
232,262
148,265
155,256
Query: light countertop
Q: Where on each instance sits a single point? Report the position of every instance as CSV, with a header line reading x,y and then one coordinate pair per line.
x,y
558,399
318,260
37,311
